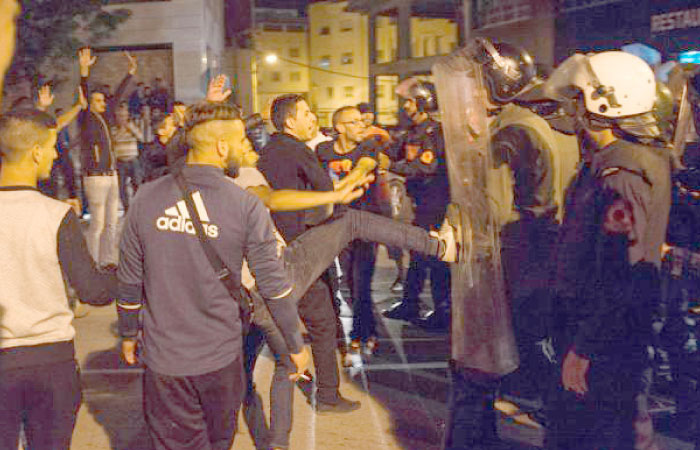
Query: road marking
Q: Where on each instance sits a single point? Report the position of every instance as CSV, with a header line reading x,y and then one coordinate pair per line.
x,y
406,366
110,371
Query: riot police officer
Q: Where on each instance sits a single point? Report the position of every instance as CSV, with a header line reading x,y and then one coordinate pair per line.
x,y
609,249
531,165
419,156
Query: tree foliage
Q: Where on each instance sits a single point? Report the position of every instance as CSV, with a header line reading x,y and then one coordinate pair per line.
x,y
49,33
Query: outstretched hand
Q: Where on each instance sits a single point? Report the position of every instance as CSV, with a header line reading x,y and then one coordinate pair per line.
x,y
133,63
86,60
216,92
45,98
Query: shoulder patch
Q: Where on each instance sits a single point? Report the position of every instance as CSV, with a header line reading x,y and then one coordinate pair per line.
x,y
427,157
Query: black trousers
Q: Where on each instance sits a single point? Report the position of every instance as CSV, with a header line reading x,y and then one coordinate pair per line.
x,y
471,423
317,313
44,399
196,412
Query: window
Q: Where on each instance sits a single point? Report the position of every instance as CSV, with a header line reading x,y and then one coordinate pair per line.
x,y
295,28
380,91
346,25
438,45
426,47
295,76
329,92
276,76
294,52
272,27
380,55
349,91
324,62
346,58
325,31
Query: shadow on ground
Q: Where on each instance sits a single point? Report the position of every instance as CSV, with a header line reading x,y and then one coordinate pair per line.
x,y
113,398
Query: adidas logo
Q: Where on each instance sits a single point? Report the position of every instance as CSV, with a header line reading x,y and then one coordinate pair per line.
x,y
177,218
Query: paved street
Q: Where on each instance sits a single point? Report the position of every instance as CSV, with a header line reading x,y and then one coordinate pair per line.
x,y
403,390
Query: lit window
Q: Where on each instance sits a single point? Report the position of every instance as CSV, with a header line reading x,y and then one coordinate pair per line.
x,y
349,91
294,52
295,76
325,31
324,62
346,58
329,92
276,76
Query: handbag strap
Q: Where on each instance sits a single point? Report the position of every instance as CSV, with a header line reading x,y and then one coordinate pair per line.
x,y
220,269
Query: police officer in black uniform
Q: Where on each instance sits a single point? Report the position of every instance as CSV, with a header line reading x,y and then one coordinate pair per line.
x,y
419,156
609,251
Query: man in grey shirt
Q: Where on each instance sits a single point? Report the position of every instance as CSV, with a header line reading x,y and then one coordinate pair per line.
x,y
191,330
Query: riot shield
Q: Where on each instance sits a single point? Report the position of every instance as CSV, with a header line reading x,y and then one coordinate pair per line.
x,y
482,335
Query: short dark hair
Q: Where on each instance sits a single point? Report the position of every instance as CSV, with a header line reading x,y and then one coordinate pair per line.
x,y
365,108
284,107
21,129
205,111
339,112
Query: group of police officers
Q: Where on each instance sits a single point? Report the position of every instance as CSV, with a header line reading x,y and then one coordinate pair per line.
x,y
579,187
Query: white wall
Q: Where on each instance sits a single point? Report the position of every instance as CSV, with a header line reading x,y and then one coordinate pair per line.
x,y
190,26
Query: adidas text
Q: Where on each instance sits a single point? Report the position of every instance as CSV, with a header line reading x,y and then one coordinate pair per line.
x,y
181,225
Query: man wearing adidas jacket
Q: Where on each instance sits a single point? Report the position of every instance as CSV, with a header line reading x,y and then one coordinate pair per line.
x,y
191,331
40,242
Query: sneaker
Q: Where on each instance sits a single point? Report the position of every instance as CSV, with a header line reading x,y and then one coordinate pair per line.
x,y
401,311
435,321
339,405
397,286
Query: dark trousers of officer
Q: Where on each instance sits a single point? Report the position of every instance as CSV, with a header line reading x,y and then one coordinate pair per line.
x,y
194,411
604,417
129,173
44,399
418,270
472,422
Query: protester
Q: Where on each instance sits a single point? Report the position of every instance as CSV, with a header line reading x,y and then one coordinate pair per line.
x,y
126,136
98,162
40,242
193,358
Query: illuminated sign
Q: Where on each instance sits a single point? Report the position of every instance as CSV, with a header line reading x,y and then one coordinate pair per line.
x,y
677,20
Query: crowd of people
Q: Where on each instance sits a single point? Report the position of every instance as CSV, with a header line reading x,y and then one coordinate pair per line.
x,y
234,231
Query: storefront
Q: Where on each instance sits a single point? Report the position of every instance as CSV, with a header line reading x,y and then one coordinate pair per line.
x,y
670,26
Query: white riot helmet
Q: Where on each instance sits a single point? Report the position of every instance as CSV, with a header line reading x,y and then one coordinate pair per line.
x,y
614,84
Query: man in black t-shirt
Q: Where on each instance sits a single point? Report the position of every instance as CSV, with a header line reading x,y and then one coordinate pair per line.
x,y
339,157
287,163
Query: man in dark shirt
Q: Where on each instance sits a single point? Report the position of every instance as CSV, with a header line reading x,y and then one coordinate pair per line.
x,y
98,162
192,340
340,156
287,163
40,242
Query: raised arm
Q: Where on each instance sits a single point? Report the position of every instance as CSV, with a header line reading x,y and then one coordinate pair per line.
x,y
293,200
121,89
86,60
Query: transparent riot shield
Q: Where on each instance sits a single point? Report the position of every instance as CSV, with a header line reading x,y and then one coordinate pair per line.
x,y
482,335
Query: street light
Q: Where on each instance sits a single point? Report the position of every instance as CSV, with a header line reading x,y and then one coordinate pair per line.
x,y
271,58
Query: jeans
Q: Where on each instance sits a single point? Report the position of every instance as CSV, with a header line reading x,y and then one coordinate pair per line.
x,y
363,256
102,192
45,400
306,258
129,172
